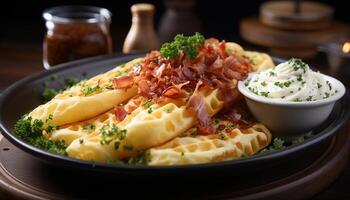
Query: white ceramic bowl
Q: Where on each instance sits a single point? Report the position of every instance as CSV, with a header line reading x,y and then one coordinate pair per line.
x,y
286,118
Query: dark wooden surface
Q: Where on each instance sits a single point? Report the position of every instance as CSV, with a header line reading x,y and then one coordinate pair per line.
x,y
18,61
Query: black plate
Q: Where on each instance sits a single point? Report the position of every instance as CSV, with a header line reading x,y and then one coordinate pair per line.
x,y
23,96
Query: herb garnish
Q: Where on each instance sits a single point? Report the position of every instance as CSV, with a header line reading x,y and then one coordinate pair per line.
x,y
193,134
49,92
298,64
32,132
147,103
264,94
142,158
110,133
90,90
329,85
187,44
277,145
128,147
89,128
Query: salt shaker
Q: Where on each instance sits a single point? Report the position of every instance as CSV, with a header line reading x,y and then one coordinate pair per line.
x,y
142,36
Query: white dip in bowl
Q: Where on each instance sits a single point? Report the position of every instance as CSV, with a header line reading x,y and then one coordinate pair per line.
x,y
291,98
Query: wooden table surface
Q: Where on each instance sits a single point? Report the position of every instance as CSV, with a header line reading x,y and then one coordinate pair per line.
x,y
18,61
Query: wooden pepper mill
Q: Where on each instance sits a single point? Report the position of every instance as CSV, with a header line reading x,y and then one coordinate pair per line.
x,y
142,36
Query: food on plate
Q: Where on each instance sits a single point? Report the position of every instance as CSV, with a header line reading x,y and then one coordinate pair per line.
x,y
183,98
98,93
292,80
228,144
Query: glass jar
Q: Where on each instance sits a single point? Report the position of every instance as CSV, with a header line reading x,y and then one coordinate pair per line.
x,y
75,32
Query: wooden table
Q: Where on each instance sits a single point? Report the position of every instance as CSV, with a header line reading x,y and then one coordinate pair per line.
x,y
18,61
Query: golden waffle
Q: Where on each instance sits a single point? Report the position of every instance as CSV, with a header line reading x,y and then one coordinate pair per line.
x,y
144,130
72,105
207,149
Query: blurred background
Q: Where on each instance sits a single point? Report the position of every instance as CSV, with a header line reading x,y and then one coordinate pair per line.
x,y
23,29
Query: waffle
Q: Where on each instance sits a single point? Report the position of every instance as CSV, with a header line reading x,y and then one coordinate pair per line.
x,y
72,105
207,149
260,61
144,130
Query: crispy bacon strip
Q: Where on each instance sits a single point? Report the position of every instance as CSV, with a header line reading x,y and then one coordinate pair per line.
x,y
123,82
238,114
196,105
120,113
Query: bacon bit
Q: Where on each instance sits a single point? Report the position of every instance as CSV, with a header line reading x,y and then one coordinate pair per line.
x,y
131,108
123,82
221,127
173,92
157,72
144,89
196,105
119,113
238,115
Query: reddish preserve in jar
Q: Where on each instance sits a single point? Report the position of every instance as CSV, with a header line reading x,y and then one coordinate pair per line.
x,y
75,32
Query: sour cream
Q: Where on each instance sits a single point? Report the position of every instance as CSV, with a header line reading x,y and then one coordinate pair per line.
x,y
290,81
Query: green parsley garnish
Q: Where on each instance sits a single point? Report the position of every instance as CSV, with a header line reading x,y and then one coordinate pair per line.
x,y
168,110
216,121
277,145
147,103
297,100
31,131
231,126
264,94
193,133
298,64
118,73
299,78
187,44
222,136
70,82
142,158
110,133
116,145
329,85
309,98
89,128
272,73
128,147
81,141
91,90
319,85
263,84
326,95
48,94
150,110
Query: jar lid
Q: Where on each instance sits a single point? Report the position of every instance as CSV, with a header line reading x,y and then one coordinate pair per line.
x,y
77,14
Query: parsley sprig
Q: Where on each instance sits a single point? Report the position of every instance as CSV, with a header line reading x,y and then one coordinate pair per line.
x,y
187,44
31,130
